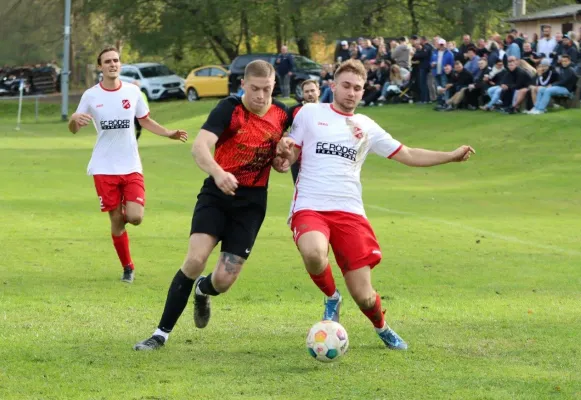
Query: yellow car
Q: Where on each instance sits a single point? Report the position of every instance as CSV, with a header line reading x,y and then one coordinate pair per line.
x,y
207,81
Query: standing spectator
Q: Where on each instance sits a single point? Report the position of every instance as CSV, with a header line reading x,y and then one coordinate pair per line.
x,y
530,56
512,48
518,39
368,52
463,50
452,47
401,54
481,50
535,42
285,66
569,49
344,54
473,59
558,50
440,58
546,45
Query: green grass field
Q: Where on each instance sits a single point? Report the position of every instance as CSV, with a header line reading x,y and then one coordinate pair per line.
x,y
481,272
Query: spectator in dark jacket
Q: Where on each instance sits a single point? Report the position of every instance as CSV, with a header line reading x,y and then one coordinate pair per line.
x,y
285,66
423,56
460,81
514,86
343,54
565,86
479,86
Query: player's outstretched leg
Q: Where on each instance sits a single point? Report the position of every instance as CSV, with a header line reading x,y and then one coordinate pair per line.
x,y
359,284
314,247
219,281
201,245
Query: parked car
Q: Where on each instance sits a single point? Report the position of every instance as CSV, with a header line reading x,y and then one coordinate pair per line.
x,y
207,81
156,80
10,81
305,68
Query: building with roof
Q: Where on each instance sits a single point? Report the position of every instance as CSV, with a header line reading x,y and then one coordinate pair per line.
x,y
561,19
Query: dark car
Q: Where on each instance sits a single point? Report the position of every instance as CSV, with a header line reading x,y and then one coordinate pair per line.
x,y
305,68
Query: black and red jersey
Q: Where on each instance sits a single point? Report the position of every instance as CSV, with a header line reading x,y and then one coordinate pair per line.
x,y
247,141
293,111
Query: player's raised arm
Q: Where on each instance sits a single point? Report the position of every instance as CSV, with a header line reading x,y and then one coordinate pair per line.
x,y
415,157
156,128
201,150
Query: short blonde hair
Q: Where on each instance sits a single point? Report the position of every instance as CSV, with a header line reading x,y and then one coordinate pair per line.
x,y
305,83
258,69
353,66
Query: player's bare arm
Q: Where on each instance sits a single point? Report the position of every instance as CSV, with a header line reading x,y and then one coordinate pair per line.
x,y
415,157
78,120
201,150
156,128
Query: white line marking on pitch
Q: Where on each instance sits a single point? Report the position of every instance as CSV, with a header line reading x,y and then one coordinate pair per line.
x,y
494,235
479,231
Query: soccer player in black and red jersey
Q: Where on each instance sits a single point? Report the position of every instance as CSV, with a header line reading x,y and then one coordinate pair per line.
x,y
232,202
311,94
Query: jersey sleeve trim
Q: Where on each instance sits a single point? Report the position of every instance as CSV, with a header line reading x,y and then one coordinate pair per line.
x,y
221,116
396,151
145,116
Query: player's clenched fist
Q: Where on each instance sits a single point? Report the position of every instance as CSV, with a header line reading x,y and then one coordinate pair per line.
x,y
280,164
82,119
462,153
226,182
285,147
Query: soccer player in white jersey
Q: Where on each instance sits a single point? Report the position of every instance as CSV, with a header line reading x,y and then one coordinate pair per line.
x,y
327,206
115,165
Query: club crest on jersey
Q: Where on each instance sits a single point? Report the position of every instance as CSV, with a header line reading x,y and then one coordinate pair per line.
x,y
355,130
126,104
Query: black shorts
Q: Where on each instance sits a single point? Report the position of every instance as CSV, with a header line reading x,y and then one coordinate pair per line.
x,y
234,220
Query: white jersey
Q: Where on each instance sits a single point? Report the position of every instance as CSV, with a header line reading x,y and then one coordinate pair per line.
x,y
334,146
113,112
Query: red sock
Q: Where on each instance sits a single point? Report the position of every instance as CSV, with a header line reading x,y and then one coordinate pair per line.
x,y
375,315
325,281
121,244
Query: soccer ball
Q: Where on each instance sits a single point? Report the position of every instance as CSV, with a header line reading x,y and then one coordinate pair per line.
x,y
327,341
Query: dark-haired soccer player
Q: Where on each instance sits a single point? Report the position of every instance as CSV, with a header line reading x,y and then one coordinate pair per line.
x,y
232,202
115,165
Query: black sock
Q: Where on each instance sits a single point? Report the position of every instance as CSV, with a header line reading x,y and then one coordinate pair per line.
x,y
177,299
207,288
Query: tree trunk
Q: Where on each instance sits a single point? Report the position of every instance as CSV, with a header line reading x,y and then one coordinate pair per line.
x,y
299,33
246,31
277,25
217,51
414,17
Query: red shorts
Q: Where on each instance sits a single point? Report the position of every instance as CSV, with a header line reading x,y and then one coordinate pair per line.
x,y
117,189
350,236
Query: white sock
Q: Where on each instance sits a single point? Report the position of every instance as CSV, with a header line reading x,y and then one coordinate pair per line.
x,y
161,333
379,330
335,295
